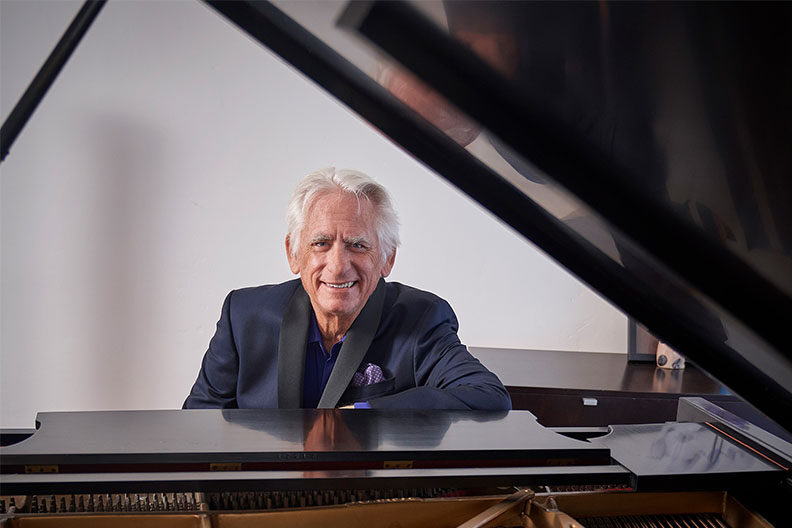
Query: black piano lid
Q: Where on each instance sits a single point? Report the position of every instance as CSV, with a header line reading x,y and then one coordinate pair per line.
x,y
176,440
665,126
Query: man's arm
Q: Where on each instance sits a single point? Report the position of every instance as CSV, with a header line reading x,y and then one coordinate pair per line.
x,y
446,374
217,381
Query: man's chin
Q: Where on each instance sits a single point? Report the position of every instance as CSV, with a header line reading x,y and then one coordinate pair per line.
x,y
337,308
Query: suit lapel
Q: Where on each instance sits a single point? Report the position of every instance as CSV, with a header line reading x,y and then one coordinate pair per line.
x,y
356,343
291,349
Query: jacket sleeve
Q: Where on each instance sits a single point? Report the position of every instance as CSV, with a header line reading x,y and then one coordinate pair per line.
x,y
447,376
216,385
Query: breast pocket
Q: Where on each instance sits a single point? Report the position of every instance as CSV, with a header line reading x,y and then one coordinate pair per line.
x,y
368,392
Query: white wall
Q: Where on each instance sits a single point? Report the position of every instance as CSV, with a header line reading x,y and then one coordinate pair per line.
x,y
153,179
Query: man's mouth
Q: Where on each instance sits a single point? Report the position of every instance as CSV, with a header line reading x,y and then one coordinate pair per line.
x,y
340,285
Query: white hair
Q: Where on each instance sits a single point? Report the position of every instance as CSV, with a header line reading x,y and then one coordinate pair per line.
x,y
323,181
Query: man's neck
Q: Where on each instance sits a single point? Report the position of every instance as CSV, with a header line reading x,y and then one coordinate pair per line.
x,y
332,329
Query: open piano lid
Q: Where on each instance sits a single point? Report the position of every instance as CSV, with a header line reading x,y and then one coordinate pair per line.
x,y
646,147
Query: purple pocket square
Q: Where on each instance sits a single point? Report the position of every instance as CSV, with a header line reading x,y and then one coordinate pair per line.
x,y
367,374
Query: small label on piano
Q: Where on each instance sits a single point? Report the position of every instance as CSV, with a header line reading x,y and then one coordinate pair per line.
x,y
225,466
397,464
41,469
590,402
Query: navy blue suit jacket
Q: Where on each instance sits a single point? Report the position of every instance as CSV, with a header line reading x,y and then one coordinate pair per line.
x,y
257,355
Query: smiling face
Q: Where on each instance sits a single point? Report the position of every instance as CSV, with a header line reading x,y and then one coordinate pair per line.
x,y
339,259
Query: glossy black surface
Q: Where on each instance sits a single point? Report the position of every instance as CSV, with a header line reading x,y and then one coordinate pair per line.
x,y
683,454
595,371
689,98
748,424
567,389
276,435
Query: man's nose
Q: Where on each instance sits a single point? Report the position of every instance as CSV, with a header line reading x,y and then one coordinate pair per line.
x,y
338,260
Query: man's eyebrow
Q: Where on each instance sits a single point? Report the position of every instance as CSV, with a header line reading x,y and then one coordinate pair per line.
x,y
357,240
321,237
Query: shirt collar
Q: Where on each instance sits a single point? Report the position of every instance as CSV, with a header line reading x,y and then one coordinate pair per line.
x,y
314,336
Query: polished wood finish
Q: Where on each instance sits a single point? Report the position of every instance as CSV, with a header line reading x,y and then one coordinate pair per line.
x,y
565,389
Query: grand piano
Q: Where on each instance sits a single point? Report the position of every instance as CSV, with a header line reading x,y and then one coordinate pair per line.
x,y
662,129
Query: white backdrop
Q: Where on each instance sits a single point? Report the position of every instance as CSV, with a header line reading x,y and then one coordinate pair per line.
x,y
153,179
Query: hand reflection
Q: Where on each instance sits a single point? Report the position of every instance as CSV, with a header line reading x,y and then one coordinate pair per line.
x,y
430,104
499,50
327,433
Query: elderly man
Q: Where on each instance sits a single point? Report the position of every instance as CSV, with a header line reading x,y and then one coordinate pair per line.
x,y
341,335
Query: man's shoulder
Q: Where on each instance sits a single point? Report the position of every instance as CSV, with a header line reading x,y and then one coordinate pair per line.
x,y
268,289
412,308
402,294
267,295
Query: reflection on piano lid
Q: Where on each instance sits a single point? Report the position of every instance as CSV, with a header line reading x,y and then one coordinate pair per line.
x,y
290,439
667,125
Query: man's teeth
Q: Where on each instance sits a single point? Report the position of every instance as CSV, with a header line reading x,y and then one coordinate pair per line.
x,y
341,285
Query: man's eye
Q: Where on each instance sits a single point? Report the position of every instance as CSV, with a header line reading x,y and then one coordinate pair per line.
x,y
319,244
357,245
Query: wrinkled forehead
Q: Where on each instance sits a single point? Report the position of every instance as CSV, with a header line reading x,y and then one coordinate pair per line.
x,y
340,211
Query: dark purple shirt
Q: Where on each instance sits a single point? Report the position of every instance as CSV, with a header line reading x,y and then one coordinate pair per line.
x,y
318,366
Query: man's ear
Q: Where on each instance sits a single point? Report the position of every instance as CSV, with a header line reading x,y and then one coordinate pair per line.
x,y
386,269
294,263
